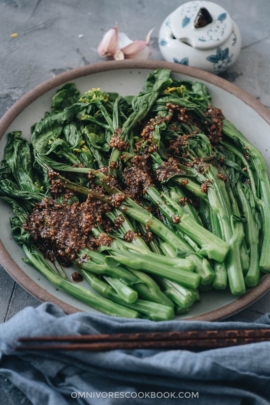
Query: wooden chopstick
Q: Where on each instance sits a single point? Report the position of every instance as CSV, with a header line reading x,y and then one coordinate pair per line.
x,y
191,334
147,340
156,344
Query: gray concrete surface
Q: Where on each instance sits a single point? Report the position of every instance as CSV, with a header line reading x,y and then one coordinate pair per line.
x,y
54,36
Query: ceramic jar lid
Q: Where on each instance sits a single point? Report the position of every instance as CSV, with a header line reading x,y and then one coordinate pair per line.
x,y
201,24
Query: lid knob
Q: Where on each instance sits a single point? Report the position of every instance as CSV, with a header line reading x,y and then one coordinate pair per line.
x,y
203,18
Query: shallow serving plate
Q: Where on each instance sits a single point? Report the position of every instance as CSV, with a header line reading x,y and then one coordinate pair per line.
x,y
127,77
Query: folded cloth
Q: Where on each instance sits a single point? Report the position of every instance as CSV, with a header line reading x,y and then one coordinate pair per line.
x,y
235,375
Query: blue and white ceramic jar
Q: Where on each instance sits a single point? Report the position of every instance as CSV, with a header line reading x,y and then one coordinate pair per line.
x,y
200,34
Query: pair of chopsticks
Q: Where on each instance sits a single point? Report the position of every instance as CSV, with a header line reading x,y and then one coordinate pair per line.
x,y
209,339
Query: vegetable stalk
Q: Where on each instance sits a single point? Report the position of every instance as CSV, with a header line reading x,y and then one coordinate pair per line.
x,y
85,295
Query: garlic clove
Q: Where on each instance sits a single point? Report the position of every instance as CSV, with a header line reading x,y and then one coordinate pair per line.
x,y
119,55
137,50
109,43
123,40
119,46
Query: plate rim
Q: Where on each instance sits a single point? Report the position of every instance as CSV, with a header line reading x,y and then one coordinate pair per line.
x,y
14,269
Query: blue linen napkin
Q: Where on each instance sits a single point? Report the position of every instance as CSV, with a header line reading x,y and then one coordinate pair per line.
x,y
236,375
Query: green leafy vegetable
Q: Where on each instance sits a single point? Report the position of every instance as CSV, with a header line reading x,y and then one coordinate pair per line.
x,y
166,198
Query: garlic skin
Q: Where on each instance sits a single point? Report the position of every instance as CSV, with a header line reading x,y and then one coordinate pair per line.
x,y
109,43
119,46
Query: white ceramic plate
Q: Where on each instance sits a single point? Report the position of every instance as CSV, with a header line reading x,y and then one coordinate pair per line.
x,y
127,77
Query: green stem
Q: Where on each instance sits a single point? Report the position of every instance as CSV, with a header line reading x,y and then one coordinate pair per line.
x,y
196,294
149,290
231,233
142,216
132,209
177,293
168,250
83,294
264,204
98,265
252,238
59,270
135,211
211,246
151,310
182,311
244,258
191,186
145,286
176,194
183,276
125,293
220,279
148,255
202,266
141,104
